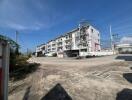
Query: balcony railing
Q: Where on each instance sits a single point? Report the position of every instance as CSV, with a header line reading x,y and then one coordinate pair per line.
x,y
60,46
69,38
68,44
68,47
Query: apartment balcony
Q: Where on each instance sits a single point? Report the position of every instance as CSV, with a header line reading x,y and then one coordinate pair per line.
x,y
81,34
43,51
83,43
68,47
60,46
60,49
59,41
68,44
68,39
48,46
48,49
43,48
38,50
53,48
53,45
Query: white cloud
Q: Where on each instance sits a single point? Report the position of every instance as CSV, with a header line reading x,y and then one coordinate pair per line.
x,y
28,15
17,26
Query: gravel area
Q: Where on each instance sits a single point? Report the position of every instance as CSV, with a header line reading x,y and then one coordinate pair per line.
x,y
101,78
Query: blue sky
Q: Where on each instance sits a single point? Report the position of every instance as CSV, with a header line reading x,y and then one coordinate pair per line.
x,y
41,20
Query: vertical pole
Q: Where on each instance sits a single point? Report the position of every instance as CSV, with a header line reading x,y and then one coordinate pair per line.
x,y
79,39
1,72
111,39
16,36
27,51
5,65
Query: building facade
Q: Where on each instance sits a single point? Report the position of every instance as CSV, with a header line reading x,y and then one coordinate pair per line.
x,y
125,45
83,39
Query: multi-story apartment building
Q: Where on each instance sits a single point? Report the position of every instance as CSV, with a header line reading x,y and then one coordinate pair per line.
x,y
79,41
40,50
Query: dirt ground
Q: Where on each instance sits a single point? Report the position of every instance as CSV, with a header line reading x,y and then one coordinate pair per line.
x,y
102,78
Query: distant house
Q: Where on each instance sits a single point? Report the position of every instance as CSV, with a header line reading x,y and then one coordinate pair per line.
x,y
125,45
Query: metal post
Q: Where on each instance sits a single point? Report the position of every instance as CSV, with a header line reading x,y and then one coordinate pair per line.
x,y
5,66
79,38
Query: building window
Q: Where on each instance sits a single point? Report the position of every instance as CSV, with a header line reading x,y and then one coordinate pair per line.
x,y
66,37
83,50
92,30
53,48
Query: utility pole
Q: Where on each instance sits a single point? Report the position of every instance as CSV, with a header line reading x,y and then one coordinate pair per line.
x,y
17,49
111,39
17,36
79,38
27,51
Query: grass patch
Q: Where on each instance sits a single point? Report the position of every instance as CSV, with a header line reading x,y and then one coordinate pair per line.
x,y
20,68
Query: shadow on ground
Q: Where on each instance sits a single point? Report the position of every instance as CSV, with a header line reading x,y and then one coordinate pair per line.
x,y
26,95
125,94
124,57
23,71
57,93
128,77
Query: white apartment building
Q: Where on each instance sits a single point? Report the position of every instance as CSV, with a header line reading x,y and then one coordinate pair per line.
x,y
79,41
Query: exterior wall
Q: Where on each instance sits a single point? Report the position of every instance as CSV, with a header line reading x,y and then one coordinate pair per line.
x,y
94,39
101,53
59,44
53,46
73,41
40,50
124,48
67,42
